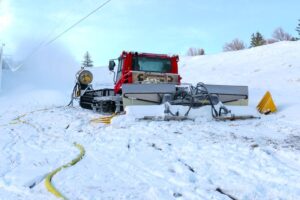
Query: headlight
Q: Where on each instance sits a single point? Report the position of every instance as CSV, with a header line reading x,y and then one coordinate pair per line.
x,y
85,77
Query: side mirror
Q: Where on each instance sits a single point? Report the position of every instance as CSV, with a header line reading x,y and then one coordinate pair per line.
x,y
111,65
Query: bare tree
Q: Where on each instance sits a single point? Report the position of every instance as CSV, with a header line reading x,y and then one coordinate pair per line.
x,y
280,35
235,45
271,41
195,52
298,28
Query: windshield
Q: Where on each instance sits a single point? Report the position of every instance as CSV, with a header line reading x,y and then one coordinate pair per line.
x,y
151,64
119,72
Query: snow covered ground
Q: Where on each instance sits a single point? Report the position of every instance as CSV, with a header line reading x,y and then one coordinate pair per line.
x,y
253,159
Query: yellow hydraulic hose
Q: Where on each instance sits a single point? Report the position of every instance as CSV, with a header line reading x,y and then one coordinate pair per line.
x,y
32,112
19,119
104,120
50,187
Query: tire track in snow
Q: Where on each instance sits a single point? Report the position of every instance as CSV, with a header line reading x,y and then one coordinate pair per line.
x,y
271,161
198,144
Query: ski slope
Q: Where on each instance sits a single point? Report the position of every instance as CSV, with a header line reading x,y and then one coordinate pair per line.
x,y
130,159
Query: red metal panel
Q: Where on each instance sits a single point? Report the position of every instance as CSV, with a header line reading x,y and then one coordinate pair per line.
x,y
127,57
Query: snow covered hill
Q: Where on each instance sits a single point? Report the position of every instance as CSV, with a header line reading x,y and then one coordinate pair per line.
x,y
266,67
201,159
274,67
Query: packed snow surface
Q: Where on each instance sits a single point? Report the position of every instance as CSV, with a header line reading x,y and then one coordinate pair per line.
x,y
132,159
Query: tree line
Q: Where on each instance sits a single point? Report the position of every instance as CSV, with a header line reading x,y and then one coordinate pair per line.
x,y
257,39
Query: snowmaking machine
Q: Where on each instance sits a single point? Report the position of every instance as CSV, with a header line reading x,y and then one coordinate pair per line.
x,y
153,79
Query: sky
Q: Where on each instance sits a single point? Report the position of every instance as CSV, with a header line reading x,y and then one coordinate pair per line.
x,y
155,26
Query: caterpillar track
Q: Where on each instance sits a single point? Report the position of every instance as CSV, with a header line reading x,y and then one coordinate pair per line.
x,y
99,101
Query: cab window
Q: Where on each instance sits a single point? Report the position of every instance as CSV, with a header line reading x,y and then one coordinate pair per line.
x,y
151,64
119,72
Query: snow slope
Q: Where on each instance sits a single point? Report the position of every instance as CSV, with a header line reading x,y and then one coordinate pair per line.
x,y
273,67
254,159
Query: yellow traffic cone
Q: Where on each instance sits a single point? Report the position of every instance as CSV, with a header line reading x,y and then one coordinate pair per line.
x,y
266,104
